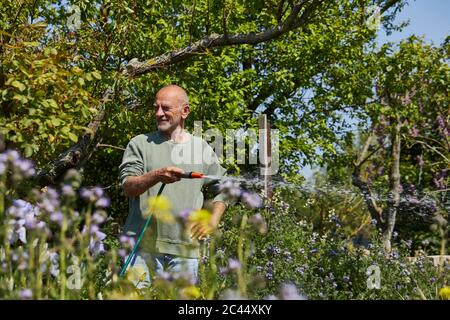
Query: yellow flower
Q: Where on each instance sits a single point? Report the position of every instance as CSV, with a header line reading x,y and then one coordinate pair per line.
x,y
444,293
201,216
118,295
191,292
136,274
160,207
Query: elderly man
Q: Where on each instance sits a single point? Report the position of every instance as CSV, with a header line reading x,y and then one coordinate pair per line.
x,y
154,158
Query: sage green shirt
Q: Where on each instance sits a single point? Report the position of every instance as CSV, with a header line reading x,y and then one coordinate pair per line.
x,y
151,151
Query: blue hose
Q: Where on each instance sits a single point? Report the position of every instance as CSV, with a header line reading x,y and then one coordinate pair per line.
x,y
138,241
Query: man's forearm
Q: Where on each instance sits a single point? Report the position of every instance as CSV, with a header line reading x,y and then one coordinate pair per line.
x,y
217,211
135,186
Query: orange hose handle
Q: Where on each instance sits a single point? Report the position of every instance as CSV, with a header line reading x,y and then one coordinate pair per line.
x,y
192,175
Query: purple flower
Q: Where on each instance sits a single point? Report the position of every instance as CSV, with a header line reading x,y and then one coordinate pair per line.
x,y
20,209
122,253
98,217
98,192
258,221
230,188
86,194
234,265
57,217
96,247
52,194
23,168
127,241
290,292
30,221
26,294
26,167
102,203
332,252
185,214
92,194
394,255
68,191
17,232
12,155
251,200
47,206
274,250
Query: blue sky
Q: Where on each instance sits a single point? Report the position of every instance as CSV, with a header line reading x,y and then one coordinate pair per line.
x,y
428,18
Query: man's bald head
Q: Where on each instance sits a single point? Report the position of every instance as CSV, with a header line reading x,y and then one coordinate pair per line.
x,y
171,108
174,93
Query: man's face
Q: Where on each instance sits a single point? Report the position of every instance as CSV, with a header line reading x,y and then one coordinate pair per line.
x,y
168,111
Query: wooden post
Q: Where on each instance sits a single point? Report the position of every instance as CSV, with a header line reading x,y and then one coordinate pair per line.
x,y
265,155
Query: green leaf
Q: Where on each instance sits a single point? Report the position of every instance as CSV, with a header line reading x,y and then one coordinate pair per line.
x,y
19,85
55,121
31,44
28,151
72,137
52,103
96,75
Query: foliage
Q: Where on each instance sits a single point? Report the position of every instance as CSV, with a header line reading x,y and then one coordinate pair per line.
x,y
263,252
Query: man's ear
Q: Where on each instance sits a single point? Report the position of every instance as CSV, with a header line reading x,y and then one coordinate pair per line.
x,y
185,111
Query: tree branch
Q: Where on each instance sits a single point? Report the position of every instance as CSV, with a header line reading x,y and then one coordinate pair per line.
x,y
72,157
135,67
374,209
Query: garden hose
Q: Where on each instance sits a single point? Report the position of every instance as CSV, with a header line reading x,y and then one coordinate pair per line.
x,y
186,175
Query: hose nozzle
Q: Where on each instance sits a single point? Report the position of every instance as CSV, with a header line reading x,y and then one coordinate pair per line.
x,y
192,175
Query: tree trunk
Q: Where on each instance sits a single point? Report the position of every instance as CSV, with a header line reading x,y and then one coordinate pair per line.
x,y
390,213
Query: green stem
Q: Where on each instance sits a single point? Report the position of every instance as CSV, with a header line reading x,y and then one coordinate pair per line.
x,y
62,259
212,274
39,280
240,273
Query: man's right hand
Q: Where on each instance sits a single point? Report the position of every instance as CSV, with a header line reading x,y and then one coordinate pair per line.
x,y
169,174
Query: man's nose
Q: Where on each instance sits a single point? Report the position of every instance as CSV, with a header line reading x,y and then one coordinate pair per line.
x,y
159,111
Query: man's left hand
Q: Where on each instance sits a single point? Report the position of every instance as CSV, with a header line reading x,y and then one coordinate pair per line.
x,y
201,230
